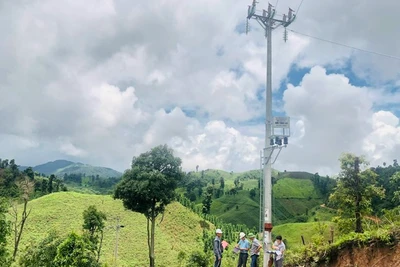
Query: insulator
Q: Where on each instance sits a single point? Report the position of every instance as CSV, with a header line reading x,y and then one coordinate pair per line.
x,y
290,14
277,140
280,142
285,35
285,140
271,142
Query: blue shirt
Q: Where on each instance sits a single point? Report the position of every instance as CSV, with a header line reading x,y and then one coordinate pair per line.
x,y
244,244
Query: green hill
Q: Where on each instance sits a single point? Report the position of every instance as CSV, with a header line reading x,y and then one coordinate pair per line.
x,y
294,174
294,196
88,170
51,167
237,209
180,229
60,167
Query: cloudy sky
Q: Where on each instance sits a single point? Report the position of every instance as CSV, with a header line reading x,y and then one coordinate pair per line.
x,y
99,81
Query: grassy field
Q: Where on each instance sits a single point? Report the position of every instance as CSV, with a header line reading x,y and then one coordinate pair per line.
x,y
294,188
292,232
292,197
179,231
237,209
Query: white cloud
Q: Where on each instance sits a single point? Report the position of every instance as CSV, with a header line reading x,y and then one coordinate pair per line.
x,y
219,146
92,80
384,141
332,116
71,150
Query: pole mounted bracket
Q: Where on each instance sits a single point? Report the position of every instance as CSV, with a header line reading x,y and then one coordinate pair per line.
x,y
268,227
276,157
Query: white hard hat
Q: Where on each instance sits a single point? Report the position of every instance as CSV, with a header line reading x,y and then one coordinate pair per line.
x,y
241,235
218,231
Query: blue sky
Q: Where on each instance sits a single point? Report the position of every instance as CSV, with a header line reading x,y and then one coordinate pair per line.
x,y
164,75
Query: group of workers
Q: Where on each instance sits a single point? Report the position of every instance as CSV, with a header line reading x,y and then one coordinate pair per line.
x,y
244,247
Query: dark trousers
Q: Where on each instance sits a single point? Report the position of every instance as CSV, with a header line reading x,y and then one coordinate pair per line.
x,y
217,262
242,259
278,263
253,260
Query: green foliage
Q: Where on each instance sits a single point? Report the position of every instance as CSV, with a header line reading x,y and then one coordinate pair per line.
x,y
392,217
208,200
320,252
198,259
4,231
355,190
93,225
181,257
9,175
75,251
345,225
253,193
324,185
50,186
42,253
151,182
80,182
149,186
230,230
395,183
93,221
62,212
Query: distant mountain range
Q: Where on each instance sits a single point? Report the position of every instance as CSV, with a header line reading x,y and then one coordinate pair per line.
x,y
60,167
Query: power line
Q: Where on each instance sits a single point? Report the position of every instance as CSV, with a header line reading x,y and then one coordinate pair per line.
x,y
297,12
348,46
276,4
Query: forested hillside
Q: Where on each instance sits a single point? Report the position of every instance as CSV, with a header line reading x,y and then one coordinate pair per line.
x,y
62,167
235,197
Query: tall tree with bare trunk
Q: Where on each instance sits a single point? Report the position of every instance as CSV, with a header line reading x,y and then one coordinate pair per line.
x,y
149,186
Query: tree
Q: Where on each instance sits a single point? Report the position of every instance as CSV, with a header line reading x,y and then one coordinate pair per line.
x,y
93,224
29,172
395,163
149,186
252,193
355,189
198,259
50,186
44,186
8,177
207,200
4,231
75,251
237,182
26,186
41,254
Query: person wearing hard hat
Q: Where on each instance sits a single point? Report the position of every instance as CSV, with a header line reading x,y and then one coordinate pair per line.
x,y
218,248
254,250
244,246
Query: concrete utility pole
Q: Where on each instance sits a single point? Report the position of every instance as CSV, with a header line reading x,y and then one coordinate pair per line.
x,y
273,140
